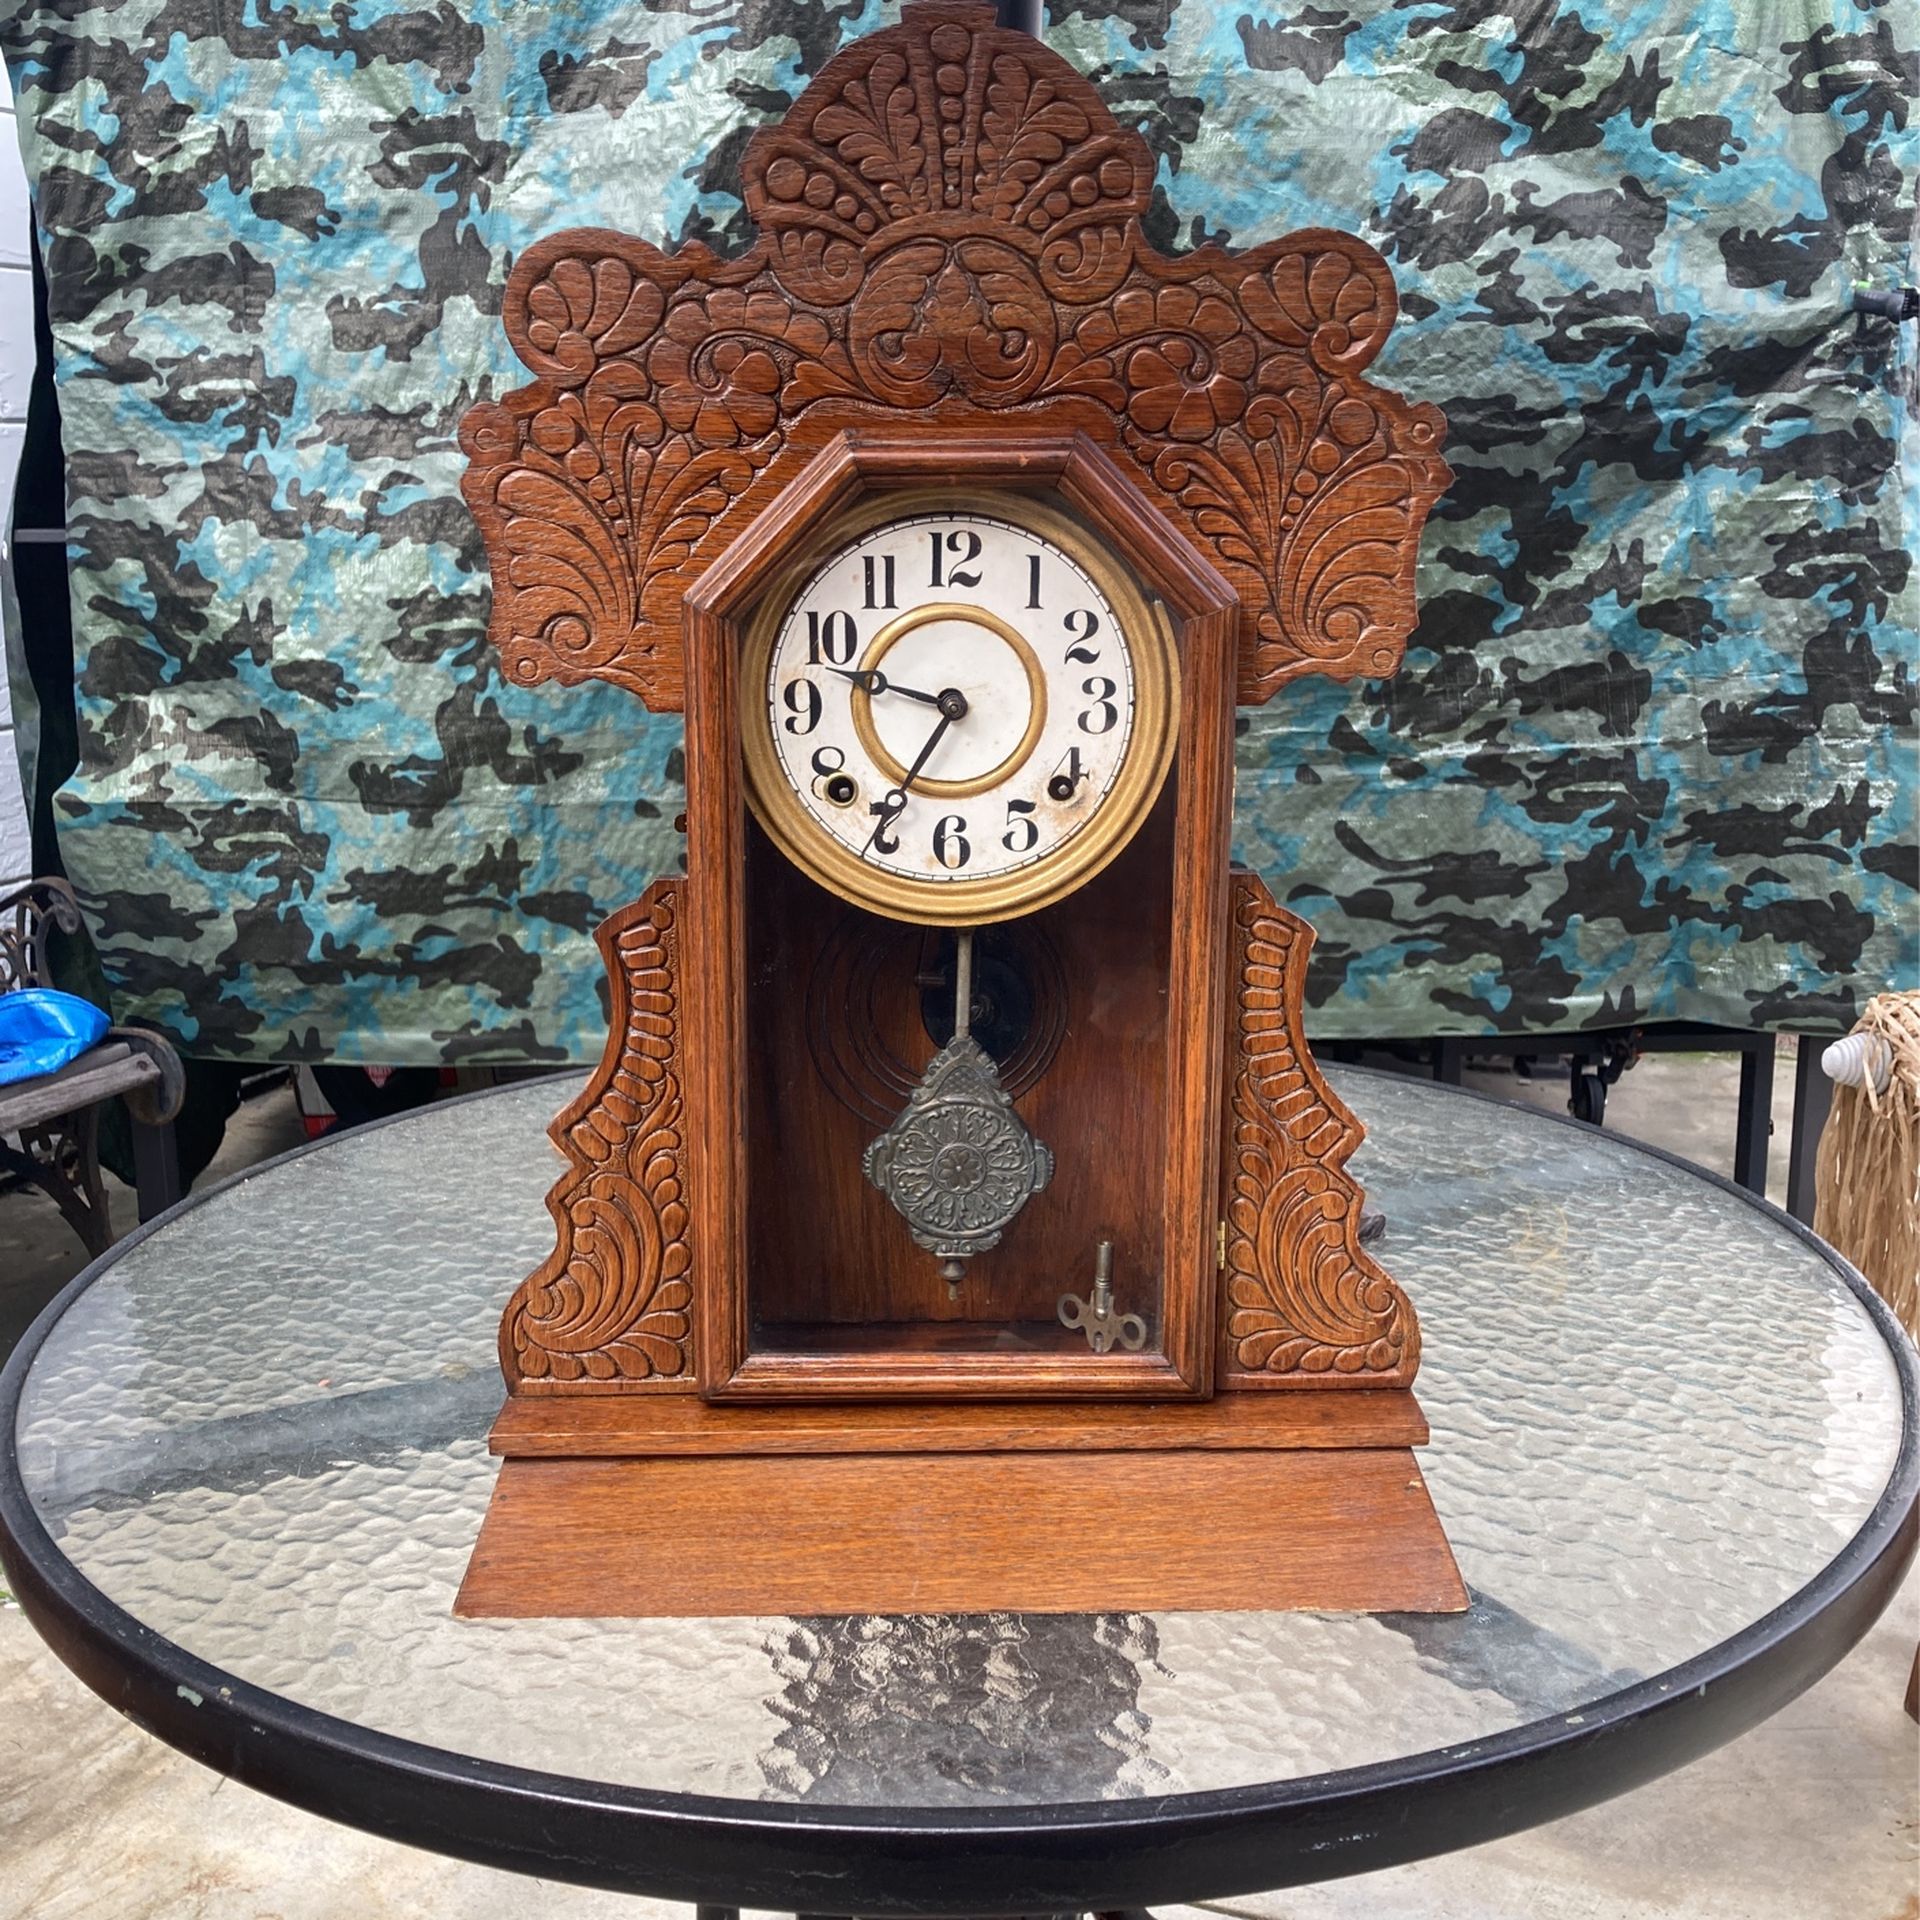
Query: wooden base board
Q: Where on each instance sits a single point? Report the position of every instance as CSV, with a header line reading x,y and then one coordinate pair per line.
x,y
581,1426
1347,1530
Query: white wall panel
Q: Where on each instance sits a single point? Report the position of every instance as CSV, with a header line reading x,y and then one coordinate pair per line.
x,y
15,211
16,377
16,848
16,340
13,434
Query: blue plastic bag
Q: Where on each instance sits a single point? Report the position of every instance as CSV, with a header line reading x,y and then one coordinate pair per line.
x,y
41,1030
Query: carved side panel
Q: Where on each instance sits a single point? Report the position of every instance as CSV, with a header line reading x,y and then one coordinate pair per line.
x,y
611,1307
1302,1304
949,233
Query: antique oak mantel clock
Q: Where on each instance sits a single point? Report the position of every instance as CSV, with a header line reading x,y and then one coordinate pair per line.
x,y
957,1219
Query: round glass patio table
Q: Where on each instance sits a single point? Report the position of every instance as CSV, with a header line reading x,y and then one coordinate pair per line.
x,y
243,1461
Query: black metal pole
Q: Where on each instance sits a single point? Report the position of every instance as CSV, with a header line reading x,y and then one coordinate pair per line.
x,y
1025,16
1812,1100
1755,1122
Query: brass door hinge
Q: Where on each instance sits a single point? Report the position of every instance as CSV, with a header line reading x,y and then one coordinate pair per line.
x,y
1220,1248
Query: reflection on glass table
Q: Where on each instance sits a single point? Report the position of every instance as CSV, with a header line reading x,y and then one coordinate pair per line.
x,y
1671,1447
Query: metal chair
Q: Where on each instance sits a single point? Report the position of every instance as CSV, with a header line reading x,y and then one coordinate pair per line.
x,y
57,1115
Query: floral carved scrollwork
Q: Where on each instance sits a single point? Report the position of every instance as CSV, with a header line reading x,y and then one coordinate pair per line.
x,y
611,1306
948,226
1237,389
991,334
1302,1302
659,406
947,126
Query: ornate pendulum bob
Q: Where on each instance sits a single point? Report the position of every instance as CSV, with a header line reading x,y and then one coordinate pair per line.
x,y
958,1164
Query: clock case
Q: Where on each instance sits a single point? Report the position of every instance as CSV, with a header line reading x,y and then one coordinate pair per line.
x,y
817,1287
736,1386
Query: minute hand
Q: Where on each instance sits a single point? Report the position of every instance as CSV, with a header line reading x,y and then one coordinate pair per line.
x,y
895,802
926,752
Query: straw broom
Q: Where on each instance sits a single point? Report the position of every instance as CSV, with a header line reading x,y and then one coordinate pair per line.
x,y
1868,1172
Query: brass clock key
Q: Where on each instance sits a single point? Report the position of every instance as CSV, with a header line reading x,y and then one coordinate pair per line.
x,y
1096,1316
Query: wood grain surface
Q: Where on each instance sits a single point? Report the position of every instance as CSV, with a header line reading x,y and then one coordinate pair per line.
x,y
962,1533
583,1426
950,282
1302,1303
611,1305
789,1231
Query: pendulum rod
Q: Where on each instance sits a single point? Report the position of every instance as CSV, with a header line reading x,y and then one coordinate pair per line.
x,y
958,1163
954,1270
963,983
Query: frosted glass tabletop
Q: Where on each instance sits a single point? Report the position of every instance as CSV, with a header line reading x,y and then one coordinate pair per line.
x,y
1660,1414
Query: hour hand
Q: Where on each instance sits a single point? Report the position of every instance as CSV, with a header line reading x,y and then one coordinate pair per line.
x,y
871,681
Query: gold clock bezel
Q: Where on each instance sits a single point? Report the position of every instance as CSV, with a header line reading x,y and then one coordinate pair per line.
x,y
1007,896
924,615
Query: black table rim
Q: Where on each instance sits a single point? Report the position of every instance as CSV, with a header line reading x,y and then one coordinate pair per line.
x,y
973,1860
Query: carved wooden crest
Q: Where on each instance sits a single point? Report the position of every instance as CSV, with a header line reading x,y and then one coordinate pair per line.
x,y
948,227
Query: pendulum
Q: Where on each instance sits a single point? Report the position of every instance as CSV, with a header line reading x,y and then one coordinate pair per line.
x,y
958,1163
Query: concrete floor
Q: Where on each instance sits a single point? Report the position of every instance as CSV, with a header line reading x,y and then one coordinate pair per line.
x,y
1813,1816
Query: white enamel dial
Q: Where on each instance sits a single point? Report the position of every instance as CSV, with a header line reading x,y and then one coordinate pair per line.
x,y
951,698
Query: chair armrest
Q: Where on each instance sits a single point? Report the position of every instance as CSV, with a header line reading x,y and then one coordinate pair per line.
x,y
155,1101
144,1066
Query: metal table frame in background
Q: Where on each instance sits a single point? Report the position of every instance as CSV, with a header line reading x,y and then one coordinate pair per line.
x,y
1598,1057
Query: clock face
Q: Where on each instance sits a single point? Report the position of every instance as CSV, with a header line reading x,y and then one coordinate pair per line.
x,y
958,714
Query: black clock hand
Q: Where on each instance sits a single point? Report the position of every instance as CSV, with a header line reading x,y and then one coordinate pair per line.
x,y
876,683
953,706
894,802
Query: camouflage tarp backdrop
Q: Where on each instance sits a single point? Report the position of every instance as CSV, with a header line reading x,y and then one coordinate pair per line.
x,y
1653,752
